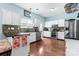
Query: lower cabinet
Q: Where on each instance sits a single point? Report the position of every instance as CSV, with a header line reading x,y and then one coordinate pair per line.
x,y
32,37
47,34
60,35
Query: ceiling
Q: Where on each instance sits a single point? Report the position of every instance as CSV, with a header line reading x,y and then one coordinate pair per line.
x,y
43,9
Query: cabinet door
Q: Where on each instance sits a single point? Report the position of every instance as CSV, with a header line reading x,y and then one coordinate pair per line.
x,y
10,17
6,16
61,35
77,29
47,33
32,37
61,23
15,18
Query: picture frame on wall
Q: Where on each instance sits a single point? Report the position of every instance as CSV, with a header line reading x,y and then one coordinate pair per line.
x,y
27,13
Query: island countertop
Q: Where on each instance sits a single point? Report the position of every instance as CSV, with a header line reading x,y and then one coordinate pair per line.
x,y
4,46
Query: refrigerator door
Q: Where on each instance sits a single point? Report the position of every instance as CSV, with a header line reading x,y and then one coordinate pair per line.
x,y
77,29
71,28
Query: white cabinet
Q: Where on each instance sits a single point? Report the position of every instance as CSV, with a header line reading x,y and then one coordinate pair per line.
x,y
6,17
32,37
15,18
61,23
60,35
50,23
47,33
10,17
26,23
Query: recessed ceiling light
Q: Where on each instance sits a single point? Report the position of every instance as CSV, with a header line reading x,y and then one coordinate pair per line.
x,y
52,9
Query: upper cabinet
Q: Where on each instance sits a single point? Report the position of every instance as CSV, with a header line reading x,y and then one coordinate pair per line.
x,y
50,23
26,23
61,23
15,18
6,17
10,17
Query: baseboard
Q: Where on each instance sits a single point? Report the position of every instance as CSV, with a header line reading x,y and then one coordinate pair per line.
x,y
73,38
49,37
61,39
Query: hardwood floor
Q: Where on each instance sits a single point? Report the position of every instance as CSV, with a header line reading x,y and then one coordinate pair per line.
x,y
48,47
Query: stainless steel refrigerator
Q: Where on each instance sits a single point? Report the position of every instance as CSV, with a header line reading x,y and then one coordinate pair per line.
x,y
73,29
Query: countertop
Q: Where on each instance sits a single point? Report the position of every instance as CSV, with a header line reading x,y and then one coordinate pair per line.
x,y
4,46
72,47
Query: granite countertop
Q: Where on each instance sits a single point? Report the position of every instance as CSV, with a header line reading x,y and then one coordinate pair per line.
x,y
4,46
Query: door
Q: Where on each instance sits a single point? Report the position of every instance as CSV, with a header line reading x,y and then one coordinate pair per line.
x,y
71,28
77,29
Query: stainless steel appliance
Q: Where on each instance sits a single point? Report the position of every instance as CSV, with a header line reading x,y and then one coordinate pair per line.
x,y
54,31
72,28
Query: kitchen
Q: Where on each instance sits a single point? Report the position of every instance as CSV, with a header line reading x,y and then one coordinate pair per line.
x,y
28,29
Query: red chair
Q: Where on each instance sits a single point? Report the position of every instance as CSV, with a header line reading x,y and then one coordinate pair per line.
x,y
16,42
24,40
